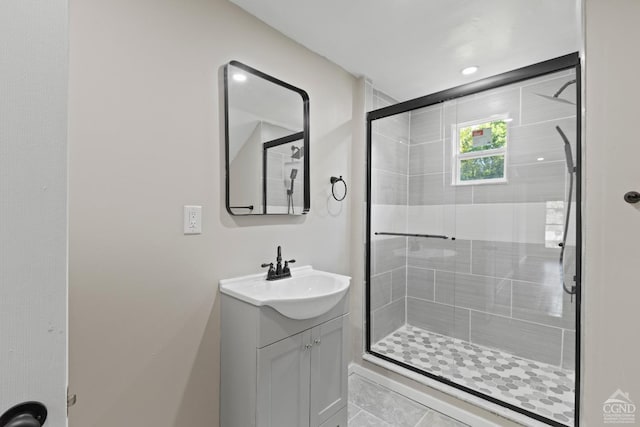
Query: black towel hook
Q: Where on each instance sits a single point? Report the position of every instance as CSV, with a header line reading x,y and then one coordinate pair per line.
x,y
333,181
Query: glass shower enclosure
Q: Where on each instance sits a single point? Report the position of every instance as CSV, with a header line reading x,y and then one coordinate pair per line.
x,y
473,237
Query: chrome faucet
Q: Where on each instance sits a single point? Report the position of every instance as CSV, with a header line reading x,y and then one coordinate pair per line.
x,y
280,271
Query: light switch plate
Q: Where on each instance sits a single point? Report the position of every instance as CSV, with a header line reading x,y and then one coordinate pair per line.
x,y
192,219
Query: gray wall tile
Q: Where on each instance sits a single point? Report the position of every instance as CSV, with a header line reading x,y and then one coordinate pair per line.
x,y
380,290
396,127
477,292
399,283
388,254
436,189
518,261
536,108
388,188
387,319
426,124
545,303
528,143
438,254
420,283
482,106
526,183
276,192
523,339
388,154
569,350
426,158
438,318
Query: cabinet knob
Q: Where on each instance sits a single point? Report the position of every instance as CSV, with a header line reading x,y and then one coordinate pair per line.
x,y
317,341
308,346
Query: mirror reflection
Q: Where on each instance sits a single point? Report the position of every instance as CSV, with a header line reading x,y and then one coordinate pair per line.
x,y
266,144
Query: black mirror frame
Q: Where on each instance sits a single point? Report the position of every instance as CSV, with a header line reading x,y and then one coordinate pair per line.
x,y
305,135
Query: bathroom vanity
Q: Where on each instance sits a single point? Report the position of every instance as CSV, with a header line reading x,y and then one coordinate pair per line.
x,y
278,371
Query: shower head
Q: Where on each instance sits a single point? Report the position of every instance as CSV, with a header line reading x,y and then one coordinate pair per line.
x,y
556,96
568,154
297,152
294,173
563,87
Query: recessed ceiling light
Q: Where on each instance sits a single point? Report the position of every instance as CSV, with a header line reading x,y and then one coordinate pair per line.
x,y
540,159
239,77
469,70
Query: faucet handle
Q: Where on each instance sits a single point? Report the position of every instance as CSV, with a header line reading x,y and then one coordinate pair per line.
x,y
272,272
286,270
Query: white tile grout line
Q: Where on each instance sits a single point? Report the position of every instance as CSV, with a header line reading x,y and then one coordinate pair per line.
x,y
423,417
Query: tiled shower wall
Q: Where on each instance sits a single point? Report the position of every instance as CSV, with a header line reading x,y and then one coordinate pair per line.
x,y
497,284
389,190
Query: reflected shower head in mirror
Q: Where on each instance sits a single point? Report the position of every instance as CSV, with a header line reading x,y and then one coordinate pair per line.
x,y
292,177
297,152
556,96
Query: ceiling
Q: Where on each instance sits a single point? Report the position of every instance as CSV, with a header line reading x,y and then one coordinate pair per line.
x,y
410,48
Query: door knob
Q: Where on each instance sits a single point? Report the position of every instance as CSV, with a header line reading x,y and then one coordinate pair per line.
x,y
632,197
28,414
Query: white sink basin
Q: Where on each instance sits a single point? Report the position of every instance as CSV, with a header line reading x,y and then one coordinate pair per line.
x,y
308,293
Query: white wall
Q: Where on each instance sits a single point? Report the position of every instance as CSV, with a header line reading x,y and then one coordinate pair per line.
x,y
146,139
33,205
612,288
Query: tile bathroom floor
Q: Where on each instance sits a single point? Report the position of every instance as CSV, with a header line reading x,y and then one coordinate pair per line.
x,y
541,388
372,405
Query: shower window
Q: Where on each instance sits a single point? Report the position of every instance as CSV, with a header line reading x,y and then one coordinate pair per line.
x,y
481,149
472,285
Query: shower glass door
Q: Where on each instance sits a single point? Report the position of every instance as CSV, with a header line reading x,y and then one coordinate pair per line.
x,y
472,256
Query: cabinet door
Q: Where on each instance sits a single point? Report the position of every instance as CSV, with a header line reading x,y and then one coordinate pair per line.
x,y
283,382
328,369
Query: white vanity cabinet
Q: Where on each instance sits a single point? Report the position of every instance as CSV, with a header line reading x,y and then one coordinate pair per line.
x,y
281,372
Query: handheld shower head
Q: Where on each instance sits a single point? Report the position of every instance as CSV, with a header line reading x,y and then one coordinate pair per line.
x,y
292,177
568,154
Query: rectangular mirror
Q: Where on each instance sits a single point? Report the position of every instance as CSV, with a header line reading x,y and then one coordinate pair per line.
x,y
267,144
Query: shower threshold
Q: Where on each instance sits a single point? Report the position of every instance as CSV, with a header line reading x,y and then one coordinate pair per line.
x,y
538,387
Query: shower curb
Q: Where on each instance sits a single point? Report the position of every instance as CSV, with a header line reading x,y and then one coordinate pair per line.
x,y
434,403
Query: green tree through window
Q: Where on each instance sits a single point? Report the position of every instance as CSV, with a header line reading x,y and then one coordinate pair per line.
x,y
481,167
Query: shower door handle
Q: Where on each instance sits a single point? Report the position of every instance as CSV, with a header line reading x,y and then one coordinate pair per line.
x,y
428,236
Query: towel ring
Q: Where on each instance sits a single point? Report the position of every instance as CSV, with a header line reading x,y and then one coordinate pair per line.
x,y
333,181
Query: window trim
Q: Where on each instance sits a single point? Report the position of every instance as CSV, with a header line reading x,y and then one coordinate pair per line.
x,y
457,156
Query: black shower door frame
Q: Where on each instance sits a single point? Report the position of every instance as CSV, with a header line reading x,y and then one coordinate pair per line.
x,y
570,61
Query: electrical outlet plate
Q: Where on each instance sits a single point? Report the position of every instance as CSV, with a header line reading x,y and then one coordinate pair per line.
x,y
192,219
